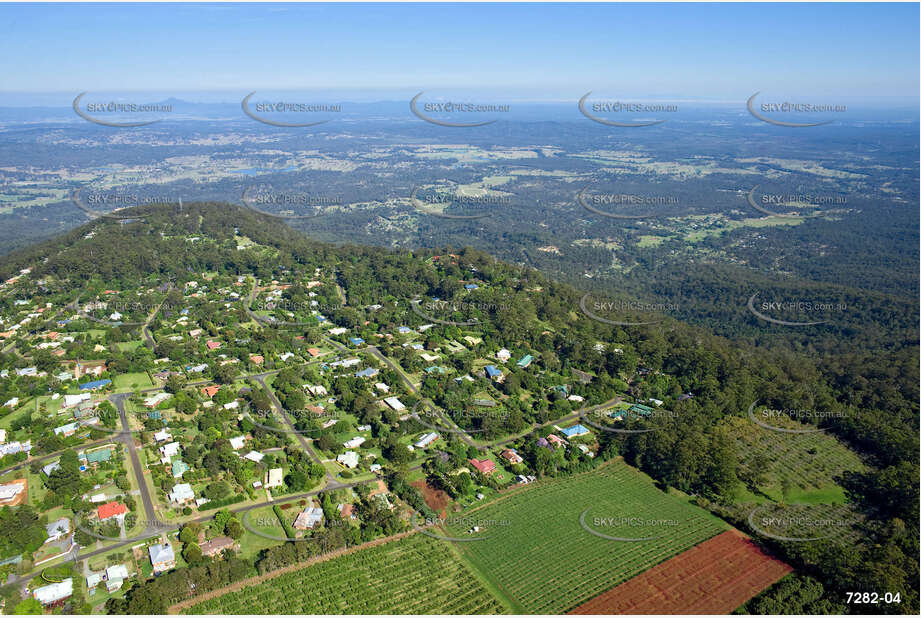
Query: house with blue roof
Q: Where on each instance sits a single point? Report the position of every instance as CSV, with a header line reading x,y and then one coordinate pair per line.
x,y
471,286
356,340
367,372
91,386
574,431
404,330
492,372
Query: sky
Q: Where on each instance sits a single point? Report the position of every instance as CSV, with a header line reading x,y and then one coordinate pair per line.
x,y
539,51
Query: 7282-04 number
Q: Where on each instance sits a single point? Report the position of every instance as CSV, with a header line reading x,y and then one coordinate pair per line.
x,y
874,598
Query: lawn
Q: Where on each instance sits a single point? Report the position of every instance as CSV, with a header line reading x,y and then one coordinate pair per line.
x,y
539,524
130,381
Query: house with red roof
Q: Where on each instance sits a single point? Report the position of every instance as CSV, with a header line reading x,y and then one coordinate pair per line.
x,y
111,509
257,358
211,391
485,466
213,345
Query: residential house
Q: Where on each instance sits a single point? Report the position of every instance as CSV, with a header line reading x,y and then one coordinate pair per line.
x,y
217,545
110,510
426,439
367,372
57,529
162,557
179,468
349,459
181,494
394,403
308,518
354,442
503,355
54,594
10,491
155,400
511,456
485,466
115,577
169,450
91,386
274,478
574,431
237,442
255,456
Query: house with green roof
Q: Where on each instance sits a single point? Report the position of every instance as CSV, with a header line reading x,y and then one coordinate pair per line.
x,y
179,468
640,410
98,456
525,361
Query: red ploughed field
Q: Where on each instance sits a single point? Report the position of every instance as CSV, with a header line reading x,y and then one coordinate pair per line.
x,y
714,577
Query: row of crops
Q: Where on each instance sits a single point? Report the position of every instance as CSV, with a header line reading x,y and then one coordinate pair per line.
x,y
537,553
413,575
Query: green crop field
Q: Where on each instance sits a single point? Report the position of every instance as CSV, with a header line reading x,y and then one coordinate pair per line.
x,y
414,575
539,556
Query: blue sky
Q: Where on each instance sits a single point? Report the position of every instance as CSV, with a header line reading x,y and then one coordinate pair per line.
x,y
538,50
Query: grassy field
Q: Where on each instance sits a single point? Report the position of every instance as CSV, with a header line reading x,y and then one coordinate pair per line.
x,y
413,575
539,524
132,380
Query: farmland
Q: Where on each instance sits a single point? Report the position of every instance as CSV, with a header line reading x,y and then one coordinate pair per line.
x,y
714,577
416,574
540,525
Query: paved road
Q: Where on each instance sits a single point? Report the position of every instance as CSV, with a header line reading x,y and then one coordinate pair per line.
x,y
300,437
128,438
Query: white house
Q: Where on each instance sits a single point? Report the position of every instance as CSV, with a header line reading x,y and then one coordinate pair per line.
x,y
349,459
237,443
181,493
354,442
169,450
52,593
394,403
254,456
